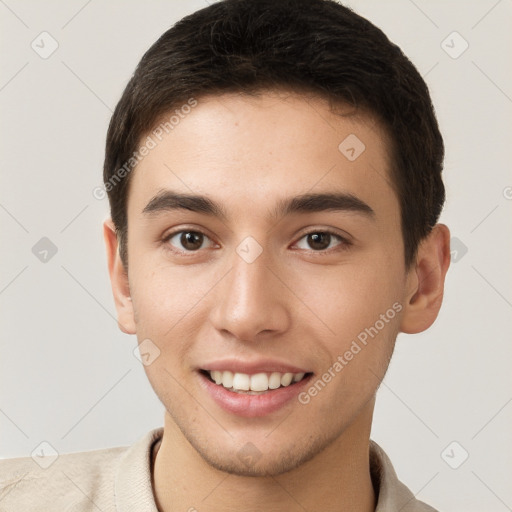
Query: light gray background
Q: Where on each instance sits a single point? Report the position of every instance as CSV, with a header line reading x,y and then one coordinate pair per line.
x,y
68,375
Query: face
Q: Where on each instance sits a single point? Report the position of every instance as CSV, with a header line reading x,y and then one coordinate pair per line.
x,y
274,295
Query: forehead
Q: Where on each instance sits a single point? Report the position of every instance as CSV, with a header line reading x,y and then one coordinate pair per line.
x,y
244,150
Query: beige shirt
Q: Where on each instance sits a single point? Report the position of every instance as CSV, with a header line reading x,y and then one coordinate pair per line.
x,y
119,479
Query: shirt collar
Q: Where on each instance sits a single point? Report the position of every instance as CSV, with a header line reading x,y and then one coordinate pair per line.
x,y
392,494
133,484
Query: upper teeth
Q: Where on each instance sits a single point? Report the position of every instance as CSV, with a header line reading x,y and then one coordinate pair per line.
x,y
255,382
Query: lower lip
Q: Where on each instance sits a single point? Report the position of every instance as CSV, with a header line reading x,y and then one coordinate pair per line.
x,y
251,406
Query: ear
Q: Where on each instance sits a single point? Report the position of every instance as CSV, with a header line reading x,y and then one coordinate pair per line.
x,y
119,280
425,281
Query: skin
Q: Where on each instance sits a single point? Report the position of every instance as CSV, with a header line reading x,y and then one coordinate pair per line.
x,y
294,303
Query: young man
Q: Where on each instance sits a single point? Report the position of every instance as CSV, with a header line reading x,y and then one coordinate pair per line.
x,y
274,177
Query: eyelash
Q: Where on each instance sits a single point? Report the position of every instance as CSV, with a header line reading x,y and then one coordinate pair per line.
x,y
344,243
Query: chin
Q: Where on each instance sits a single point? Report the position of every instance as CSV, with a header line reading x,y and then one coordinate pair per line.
x,y
245,459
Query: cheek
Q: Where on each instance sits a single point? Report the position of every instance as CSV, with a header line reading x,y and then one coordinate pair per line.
x,y
358,353
167,301
166,314
349,299
361,308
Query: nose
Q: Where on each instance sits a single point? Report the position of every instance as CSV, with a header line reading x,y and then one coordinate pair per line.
x,y
252,302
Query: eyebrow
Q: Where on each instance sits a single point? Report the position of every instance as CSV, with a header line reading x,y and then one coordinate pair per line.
x,y
168,200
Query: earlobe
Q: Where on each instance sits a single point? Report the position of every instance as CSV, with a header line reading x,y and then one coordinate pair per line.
x,y
425,282
118,280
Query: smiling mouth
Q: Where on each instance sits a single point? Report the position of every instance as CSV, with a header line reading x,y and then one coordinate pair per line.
x,y
255,384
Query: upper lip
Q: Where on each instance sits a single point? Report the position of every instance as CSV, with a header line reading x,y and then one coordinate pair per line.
x,y
252,367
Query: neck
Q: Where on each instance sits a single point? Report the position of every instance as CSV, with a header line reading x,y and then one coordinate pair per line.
x,y
336,479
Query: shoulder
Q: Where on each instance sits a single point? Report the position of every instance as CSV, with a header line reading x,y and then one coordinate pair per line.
x,y
71,482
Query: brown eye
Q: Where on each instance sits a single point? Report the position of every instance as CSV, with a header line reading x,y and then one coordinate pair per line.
x,y
320,241
187,240
191,240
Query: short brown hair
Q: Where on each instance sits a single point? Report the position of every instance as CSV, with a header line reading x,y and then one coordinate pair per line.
x,y
318,46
